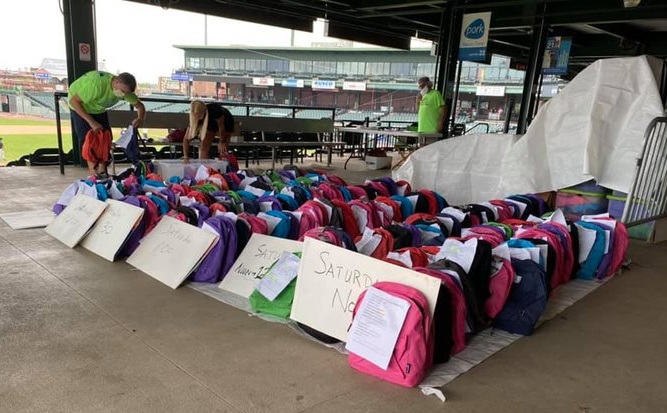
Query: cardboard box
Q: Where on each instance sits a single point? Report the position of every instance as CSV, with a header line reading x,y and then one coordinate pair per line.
x,y
374,163
167,168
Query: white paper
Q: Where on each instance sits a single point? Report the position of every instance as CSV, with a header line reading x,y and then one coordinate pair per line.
x,y
361,216
456,213
558,217
265,206
388,211
279,276
327,207
586,241
368,242
232,216
533,218
502,251
115,193
544,251
376,327
413,200
462,253
447,222
202,173
520,253
492,208
522,206
271,221
287,192
255,191
403,257
247,181
534,254
125,137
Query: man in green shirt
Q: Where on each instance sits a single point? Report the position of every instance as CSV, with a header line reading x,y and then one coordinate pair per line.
x,y
430,107
91,95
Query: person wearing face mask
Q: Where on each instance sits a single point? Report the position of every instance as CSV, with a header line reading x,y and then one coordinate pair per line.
x,y
208,120
430,107
91,95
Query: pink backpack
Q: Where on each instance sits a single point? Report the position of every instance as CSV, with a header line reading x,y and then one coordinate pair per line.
x,y
413,354
499,286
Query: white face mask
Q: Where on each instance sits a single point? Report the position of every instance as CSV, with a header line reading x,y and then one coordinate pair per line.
x,y
118,93
423,91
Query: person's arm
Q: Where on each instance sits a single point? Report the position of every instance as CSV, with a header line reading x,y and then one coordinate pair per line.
x,y
77,104
441,118
141,113
186,146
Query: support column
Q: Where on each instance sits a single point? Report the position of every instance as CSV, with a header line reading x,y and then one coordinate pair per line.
x,y
533,72
79,16
448,51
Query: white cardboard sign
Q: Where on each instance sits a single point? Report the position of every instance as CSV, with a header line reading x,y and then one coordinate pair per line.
x,y
253,262
75,220
112,229
172,250
331,278
28,219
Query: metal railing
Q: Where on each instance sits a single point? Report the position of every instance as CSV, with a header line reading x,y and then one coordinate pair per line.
x,y
647,198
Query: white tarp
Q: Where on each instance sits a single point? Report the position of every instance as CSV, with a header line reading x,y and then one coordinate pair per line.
x,y
593,129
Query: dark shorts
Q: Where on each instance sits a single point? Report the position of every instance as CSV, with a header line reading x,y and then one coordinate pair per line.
x,y
81,127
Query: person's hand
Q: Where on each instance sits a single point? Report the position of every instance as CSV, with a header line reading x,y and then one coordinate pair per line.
x,y
222,149
136,122
185,159
440,128
94,125
419,97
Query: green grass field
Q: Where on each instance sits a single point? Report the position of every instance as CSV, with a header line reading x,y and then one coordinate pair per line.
x,y
16,146
31,122
19,145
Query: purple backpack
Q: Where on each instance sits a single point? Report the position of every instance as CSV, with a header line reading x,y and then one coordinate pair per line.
x,y
132,241
221,257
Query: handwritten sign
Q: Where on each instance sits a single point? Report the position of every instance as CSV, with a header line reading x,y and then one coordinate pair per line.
x,y
74,222
171,251
331,278
28,219
254,261
112,229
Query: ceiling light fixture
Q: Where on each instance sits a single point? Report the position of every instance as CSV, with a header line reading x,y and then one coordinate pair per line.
x,y
631,3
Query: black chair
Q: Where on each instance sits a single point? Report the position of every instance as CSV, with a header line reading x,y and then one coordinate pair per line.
x,y
308,137
280,152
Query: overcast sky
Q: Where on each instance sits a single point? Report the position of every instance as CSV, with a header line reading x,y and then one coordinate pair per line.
x,y
25,41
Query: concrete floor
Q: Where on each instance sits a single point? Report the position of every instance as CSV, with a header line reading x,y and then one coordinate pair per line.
x,y
79,334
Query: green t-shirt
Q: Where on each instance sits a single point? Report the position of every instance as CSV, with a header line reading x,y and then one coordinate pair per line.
x,y
94,89
429,111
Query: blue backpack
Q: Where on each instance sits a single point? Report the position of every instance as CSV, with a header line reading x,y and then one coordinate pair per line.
x,y
589,267
527,299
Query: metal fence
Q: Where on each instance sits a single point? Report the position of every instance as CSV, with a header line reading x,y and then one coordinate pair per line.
x,y
647,199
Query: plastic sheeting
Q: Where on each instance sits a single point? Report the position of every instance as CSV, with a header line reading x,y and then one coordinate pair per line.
x,y
593,129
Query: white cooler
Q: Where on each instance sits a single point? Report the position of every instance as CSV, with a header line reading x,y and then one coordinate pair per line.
x,y
167,168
